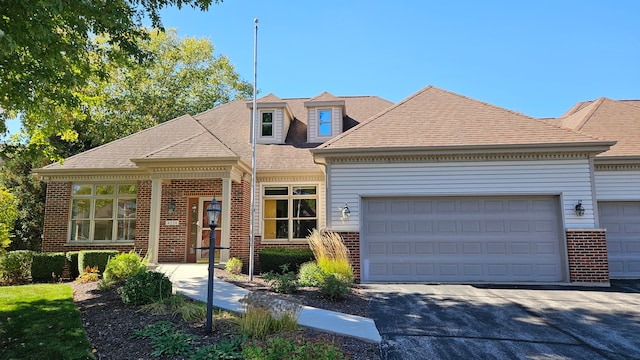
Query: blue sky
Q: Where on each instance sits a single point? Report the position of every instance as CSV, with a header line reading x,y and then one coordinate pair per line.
x,y
536,57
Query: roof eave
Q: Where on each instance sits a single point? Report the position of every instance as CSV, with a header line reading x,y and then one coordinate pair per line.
x,y
590,147
617,160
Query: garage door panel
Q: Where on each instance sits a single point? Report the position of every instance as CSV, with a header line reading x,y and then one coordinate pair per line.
x,y
622,221
463,239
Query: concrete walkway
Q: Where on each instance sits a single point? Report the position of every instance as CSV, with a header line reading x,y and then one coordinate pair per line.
x,y
191,281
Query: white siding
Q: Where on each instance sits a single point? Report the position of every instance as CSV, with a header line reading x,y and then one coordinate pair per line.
x,y
568,178
312,124
618,185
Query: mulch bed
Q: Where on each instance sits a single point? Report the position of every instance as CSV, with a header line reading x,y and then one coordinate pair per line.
x,y
110,324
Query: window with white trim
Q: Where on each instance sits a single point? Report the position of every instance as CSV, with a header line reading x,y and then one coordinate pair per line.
x,y
266,123
324,122
289,211
103,213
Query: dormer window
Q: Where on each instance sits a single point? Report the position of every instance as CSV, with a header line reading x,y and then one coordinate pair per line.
x,y
266,123
324,122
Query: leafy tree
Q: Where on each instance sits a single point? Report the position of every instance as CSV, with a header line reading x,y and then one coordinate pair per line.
x,y
8,214
46,50
28,191
182,76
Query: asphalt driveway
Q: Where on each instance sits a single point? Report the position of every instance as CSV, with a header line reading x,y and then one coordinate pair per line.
x,y
507,322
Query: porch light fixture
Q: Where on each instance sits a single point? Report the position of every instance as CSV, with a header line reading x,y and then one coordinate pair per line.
x,y
344,212
579,209
213,212
171,208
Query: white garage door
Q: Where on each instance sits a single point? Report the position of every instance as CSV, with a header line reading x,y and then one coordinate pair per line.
x,y
470,239
622,221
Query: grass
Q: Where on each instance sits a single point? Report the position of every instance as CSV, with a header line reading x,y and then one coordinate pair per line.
x,y
41,322
330,252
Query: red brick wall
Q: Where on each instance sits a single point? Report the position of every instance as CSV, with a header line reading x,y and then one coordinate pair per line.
x,y
143,212
352,242
173,238
240,222
587,254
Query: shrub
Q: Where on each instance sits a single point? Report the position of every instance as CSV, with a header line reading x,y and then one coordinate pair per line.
x,y
310,274
285,282
47,267
15,267
234,266
331,253
145,288
272,259
93,258
9,212
72,259
121,267
335,287
90,274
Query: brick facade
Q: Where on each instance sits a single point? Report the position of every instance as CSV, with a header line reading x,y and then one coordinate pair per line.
x,y
587,254
586,248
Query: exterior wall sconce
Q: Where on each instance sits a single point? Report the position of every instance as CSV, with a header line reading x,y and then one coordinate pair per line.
x,y
344,212
579,209
171,208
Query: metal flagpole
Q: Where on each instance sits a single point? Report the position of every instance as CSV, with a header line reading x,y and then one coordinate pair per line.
x,y
254,127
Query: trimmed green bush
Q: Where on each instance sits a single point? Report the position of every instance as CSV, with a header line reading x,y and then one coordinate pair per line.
x,y
47,267
123,266
72,259
335,287
272,259
15,267
310,274
145,288
93,258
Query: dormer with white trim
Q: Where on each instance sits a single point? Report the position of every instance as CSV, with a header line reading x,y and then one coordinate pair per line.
x,y
324,117
273,119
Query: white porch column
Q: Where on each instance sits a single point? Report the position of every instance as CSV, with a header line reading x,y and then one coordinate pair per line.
x,y
154,221
226,219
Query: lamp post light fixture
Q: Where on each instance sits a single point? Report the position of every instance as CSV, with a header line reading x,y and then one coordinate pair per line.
x,y
213,213
579,209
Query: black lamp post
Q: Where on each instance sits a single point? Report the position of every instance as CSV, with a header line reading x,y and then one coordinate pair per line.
x,y
213,212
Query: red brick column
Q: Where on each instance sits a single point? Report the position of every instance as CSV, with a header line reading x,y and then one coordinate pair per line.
x,y
352,242
56,218
587,254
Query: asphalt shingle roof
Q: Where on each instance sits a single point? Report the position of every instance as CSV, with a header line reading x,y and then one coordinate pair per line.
x,y
433,117
612,119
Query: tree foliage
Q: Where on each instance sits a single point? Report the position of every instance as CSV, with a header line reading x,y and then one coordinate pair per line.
x,y
46,49
8,214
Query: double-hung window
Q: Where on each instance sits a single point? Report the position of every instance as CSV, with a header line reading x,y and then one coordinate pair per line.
x,y
324,122
266,122
289,211
103,213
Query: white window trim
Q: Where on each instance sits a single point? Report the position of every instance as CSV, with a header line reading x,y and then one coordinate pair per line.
x,y
290,197
273,123
330,110
114,230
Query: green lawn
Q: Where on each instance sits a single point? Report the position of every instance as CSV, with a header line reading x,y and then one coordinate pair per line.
x,y
41,322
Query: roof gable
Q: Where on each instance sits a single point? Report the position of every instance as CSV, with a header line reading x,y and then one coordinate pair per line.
x,y
613,119
435,118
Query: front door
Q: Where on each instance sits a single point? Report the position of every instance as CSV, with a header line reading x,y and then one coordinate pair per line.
x,y
199,231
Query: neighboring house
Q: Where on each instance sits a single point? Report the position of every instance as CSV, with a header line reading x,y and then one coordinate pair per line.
x,y
439,187
617,176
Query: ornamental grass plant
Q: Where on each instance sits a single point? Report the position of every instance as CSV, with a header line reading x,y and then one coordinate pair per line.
x,y
331,254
